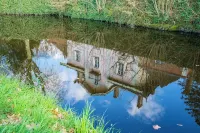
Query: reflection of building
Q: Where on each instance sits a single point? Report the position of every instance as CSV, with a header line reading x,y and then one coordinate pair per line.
x,y
60,44
101,70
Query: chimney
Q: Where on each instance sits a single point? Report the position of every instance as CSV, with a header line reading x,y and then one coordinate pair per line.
x,y
140,101
116,93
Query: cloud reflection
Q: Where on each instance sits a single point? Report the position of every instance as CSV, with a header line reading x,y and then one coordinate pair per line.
x,y
75,93
58,79
150,110
105,103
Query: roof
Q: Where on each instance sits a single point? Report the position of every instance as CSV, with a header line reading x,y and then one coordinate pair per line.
x,y
73,66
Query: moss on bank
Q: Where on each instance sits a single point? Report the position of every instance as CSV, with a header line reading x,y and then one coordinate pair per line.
x,y
24,109
178,15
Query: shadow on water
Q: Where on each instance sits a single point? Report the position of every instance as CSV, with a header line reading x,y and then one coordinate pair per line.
x,y
103,59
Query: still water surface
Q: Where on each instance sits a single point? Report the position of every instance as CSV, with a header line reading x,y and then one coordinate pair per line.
x,y
135,78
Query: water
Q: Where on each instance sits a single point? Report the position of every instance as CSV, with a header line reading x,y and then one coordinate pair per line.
x,y
135,78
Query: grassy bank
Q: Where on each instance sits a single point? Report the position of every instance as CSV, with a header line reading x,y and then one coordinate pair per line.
x,y
160,14
23,109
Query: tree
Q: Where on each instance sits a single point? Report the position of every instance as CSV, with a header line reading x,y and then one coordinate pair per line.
x,y
192,100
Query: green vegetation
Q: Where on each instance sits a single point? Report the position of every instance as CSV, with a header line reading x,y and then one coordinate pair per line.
x,y
25,7
23,109
161,14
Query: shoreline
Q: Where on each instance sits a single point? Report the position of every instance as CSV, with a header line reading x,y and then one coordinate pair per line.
x,y
158,27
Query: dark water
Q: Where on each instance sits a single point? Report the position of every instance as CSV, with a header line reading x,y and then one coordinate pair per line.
x,y
136,78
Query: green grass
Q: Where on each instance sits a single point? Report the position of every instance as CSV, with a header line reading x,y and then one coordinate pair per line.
x,y
24,109
176,14
26,7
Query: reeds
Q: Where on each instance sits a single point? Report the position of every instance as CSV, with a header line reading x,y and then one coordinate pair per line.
x,y
100,4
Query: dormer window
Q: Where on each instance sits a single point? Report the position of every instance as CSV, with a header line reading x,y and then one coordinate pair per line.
x,y
77,55
120,69
96,62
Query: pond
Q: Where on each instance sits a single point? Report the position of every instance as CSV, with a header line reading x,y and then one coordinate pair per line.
x,y
134,78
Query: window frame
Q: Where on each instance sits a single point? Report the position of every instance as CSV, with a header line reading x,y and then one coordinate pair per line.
x,y
77,55
96,62
120,69
96,80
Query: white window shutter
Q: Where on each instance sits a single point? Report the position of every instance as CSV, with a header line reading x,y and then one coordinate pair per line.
x,y
117,68
93,61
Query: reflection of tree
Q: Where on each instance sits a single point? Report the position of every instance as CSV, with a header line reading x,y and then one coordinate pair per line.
x,y
191,90
19,59
51,79
167,47
15,56
192,100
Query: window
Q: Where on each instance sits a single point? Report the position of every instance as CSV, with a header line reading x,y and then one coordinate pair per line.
x,y
77,55
96,62
185,72
158,62
96,80
129,66
120,69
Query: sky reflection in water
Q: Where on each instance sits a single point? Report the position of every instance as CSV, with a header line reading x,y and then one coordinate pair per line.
x,y
164,107
138,79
